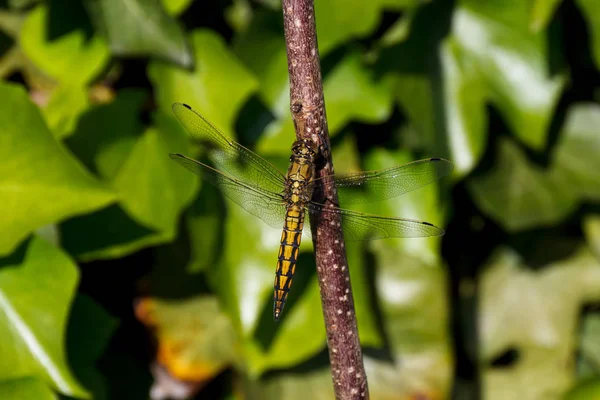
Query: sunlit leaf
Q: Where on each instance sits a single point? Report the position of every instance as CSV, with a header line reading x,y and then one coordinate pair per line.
x,y
244,282
37,285
464,97
143,28
535,313
541,13
26,389
338,21
576,152
217,87
64,108
175,7
409,279
70,58
153,190
520,195
363,99
512,61
40,183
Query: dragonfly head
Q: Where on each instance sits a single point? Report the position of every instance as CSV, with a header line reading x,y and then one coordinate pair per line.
x,y
304,149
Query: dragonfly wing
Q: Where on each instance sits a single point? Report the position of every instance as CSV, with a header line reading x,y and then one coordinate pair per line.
x,y
265,205
229,155
372,186
358,226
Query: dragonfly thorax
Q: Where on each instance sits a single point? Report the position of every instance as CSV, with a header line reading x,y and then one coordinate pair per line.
x,y
300,172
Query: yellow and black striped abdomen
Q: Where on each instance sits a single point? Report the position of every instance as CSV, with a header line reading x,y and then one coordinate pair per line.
x,y
288,256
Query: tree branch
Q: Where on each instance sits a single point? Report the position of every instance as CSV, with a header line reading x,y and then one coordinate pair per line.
x,y
308,112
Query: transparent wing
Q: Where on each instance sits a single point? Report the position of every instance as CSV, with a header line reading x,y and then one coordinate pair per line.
x,y
265,205
232,157
372,186
359,226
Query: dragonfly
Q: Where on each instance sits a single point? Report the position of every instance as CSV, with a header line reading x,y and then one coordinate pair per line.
x,y
262,190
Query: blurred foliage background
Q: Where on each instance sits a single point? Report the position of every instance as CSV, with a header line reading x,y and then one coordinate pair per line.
x,y
122,276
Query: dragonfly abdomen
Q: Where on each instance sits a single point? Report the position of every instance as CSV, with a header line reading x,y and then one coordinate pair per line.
x,y
288,257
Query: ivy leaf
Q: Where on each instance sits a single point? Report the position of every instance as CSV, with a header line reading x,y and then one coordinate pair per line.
x,y
26,389
408,280
591,12
497,39
535,312
65,106
175,7
519,195
366,100
37,285
591,228
71,58
216,88
89,331
152,190
142,28
338,21
541,13
40,183
576,153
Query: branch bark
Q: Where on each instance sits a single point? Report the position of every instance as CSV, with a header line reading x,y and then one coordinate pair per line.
x,y
308,112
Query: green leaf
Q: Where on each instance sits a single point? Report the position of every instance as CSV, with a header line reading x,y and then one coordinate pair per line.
x,y
512,61
338,21
70,58
314,384
576,153
409,279
175,7
239,15
591,228
204,221
440,91
364,100
590,9
465,97
589,347
65,106
589,389
25,389
519,195
387,380
106,134
110,233
152,190
36,289
541,14
217,87
261,47
244,283
40,183
89,331
535,312
196,340
143,28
